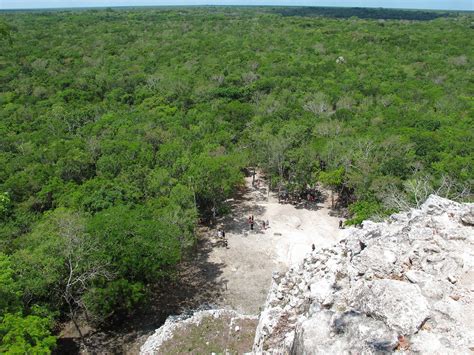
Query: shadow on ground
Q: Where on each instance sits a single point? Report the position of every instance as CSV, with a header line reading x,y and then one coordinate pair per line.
x,y
306,205
197,285
241,206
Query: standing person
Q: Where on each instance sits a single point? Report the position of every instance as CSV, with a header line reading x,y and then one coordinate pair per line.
x,y
313,247
226,244
341,224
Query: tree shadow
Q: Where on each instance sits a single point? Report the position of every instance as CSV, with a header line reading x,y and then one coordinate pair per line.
x,y
240,224
197,285
243,205
67,345
318,198
308,205
339,213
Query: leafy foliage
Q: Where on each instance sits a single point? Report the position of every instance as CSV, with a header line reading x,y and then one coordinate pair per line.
x,y
366,13
119,128
134,243
114,299
363,210
10,292
5,204
26,335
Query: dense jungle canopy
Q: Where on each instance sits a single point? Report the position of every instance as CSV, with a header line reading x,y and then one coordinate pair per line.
x,y
120,128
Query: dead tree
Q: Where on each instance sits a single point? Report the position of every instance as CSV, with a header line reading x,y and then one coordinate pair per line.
x,y
81,266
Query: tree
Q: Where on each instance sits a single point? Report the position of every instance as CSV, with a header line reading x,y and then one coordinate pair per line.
x,y
10,292
274,154
5,204
59,263
26,335
332,179
5,32
19,333
318,104
82,269
135,244
362,210
214,178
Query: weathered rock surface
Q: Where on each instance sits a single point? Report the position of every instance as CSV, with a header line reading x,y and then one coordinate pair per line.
x,y
403,285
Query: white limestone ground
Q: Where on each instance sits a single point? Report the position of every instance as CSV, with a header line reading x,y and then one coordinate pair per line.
x,y
252,256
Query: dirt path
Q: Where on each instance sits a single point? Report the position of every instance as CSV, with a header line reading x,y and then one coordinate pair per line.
x,y
252,256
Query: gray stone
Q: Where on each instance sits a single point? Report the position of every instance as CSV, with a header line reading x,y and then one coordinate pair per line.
x,y
398,304
413,276
330,333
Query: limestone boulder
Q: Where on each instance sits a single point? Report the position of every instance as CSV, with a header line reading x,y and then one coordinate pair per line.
x,y
398,304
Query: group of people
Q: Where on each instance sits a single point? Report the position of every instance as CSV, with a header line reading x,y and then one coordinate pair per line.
x,y
251,223
310,197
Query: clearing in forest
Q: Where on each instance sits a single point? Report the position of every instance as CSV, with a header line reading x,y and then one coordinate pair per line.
x,y
237,277
251,256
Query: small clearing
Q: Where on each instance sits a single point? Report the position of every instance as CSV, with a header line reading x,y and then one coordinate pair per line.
x,y
251,257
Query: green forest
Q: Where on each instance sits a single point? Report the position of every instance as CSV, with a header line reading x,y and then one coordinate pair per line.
x,y
123,129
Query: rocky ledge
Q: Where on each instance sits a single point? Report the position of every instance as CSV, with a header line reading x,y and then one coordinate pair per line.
x,y
404,285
